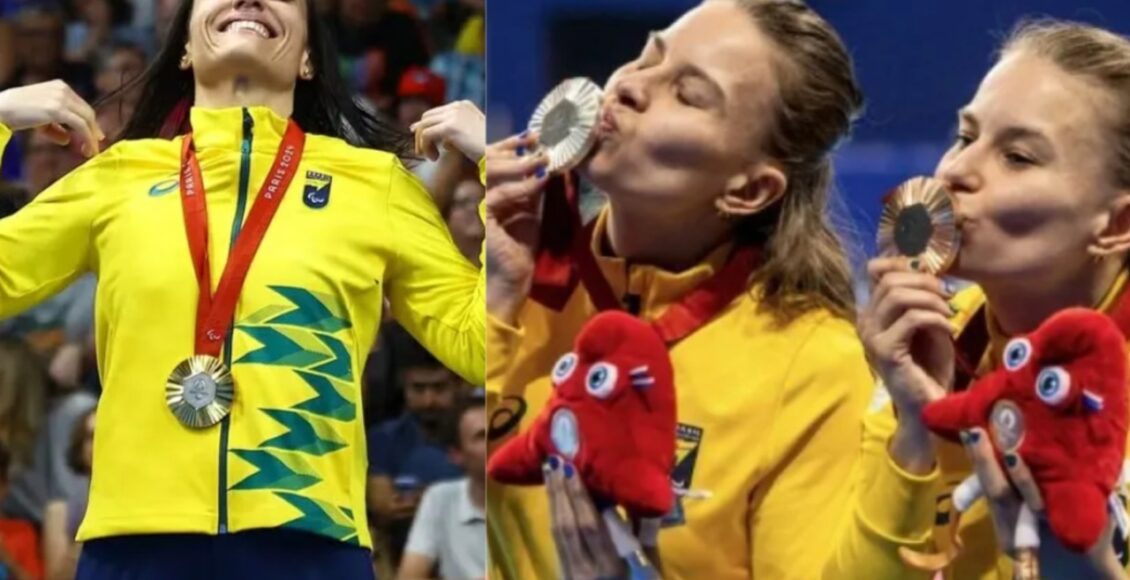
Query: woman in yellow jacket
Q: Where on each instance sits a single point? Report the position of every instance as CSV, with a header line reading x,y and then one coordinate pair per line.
x,y
230,442
717,137
1041,171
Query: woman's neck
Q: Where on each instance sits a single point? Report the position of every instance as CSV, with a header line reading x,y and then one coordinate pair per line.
x,y
674,243
242,92
1019,307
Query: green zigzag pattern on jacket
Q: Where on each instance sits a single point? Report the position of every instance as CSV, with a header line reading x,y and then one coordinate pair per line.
x,y
299,336
275,472
320,518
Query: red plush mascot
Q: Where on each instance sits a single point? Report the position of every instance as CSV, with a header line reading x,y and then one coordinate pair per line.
x,y
612,413
1059,401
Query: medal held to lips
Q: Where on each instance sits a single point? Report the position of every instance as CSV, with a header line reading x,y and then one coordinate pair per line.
x,y
566,122
919,221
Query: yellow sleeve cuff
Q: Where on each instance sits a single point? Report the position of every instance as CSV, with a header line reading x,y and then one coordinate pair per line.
x,y
900,505
503,342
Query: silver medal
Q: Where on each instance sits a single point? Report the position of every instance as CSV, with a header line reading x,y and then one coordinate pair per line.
x,y
1006,423
566,122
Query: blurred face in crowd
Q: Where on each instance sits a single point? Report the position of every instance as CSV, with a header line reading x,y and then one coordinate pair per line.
x,y
463,219
357,12
39,41
429,392
163,16
472,452
119,68
45,162
1031,170
95,12
262,39
684,118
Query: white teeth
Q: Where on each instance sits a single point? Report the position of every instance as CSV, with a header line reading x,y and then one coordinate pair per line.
x,y
249,25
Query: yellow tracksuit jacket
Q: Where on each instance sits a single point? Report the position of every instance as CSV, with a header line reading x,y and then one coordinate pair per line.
x,y
894,508
355,227
769,423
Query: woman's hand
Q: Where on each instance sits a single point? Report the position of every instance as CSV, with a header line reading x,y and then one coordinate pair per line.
x,y
584,536
908,337
515,181
1007,490
459,125
56,107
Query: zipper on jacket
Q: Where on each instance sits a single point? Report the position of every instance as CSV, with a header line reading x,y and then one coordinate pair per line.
x,y
237,224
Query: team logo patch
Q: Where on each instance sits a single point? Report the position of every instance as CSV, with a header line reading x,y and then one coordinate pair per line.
x,y
688,439
316,194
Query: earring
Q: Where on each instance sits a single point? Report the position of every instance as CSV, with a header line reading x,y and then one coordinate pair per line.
x,y
307,72
185,62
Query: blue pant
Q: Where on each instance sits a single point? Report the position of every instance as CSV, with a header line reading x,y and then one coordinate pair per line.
x,y
251,555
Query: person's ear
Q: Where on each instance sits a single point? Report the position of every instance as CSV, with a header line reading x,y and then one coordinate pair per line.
x,y
1114,234
753,191
306,72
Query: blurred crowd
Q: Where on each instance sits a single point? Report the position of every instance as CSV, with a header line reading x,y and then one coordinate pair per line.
x,y
426,426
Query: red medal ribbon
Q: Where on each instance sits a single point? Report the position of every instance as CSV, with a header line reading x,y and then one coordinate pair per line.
x,y
214,313
565,259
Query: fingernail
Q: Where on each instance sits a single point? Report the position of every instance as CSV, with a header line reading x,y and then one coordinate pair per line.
x,y
1010,460
568,471
524,134
949,287
521,151
964,437
914,265
974,437
540,172
554,462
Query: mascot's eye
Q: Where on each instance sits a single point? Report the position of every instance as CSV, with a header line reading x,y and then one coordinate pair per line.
x,y
1053,385
1016,353
601,380
564,368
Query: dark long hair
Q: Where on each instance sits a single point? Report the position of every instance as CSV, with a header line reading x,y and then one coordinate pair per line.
x,y
323,105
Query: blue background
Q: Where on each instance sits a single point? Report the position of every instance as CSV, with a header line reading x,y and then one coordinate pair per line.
x,y
918,62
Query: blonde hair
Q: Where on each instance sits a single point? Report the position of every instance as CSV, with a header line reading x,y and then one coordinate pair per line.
x,y
1100,57
23,399
806,264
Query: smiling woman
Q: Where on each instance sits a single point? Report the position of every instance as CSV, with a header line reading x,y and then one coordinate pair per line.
x,y
233,319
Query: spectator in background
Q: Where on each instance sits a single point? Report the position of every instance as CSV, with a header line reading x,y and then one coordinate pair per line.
x,y
449,532
162,18
121,64
382,42
463,65
19,546
64,513
38,39
419,89
45,161
23,402
463,218
405,455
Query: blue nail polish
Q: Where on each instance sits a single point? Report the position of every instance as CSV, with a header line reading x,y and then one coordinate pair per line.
x,y
521,151
554,463
974,437
540,172
1010,460
524,134
568,471
949,287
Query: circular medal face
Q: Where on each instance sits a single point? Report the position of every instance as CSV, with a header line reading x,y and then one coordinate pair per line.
x,y
565,122
200,391
564,433
918,221
1006,424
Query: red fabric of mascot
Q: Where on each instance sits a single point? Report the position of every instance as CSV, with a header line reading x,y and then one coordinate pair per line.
x,y
612,413
1059,400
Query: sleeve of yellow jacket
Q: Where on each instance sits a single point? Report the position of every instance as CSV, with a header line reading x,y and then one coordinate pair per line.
x,y
436,294
794,510
890,508
47,244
